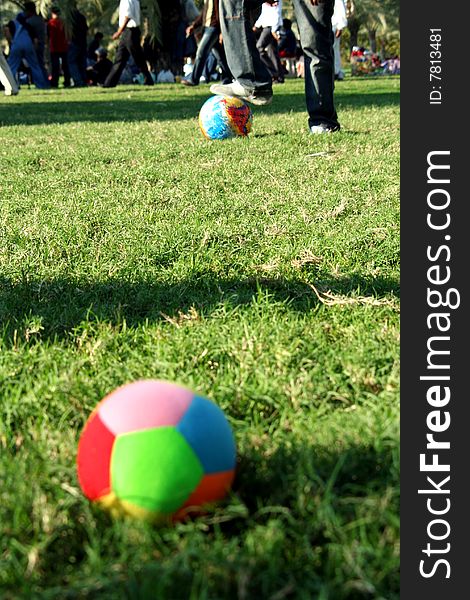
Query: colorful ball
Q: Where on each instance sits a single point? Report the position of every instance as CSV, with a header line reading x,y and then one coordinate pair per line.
x,y
152,449
223,117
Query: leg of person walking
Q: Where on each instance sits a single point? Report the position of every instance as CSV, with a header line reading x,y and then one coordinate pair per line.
x,y
316,38
272,51
120,61
262,44
219,53
209,38
253,81
137,52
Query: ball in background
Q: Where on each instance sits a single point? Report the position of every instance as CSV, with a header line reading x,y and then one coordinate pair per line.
x,y
223,117
151,449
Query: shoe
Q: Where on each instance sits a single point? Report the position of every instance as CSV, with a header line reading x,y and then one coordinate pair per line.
x,y
323,128
187,82
237,90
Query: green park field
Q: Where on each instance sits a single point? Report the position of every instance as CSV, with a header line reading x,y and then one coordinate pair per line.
x,y
260,272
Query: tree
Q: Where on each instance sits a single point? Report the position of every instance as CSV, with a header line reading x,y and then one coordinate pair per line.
x,y
377,17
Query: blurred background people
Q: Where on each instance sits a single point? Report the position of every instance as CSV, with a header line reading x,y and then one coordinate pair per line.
x,y
93,47
20,36
58,48
100,70
38,25
209,43
268,26
128,35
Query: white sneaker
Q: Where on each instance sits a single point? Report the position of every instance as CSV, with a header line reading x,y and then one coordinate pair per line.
x,y
322,128
236,89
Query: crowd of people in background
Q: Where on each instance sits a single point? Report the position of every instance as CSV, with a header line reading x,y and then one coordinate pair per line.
x,y
46,51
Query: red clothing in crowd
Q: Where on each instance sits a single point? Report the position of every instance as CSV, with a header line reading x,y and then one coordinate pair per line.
x,y
56,32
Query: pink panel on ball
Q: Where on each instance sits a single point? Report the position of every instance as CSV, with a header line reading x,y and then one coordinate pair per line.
x,y
143,405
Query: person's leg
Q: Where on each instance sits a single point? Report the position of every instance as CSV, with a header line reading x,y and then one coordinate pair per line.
x,y
263,44
272,52
316,38
209,38
72,57
339,74
38,77
82,64
14,59
65,68
219,53
41,61
55,69
236,22
135,48
6,77
120,61
209,67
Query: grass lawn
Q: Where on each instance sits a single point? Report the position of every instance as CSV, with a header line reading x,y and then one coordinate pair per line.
x,y
261,272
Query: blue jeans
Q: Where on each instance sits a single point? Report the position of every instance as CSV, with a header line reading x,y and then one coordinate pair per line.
x,y
209,41
237,18
22,48
316,38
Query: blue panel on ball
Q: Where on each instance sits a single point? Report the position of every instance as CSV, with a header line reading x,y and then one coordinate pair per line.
x,y
208,432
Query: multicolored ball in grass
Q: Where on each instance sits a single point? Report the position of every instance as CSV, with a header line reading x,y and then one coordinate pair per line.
x,y
223,117
152,449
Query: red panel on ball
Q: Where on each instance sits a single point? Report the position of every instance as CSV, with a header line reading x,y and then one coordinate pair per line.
x,y
94,458
211,488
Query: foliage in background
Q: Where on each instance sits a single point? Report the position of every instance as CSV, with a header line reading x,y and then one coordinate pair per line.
x,y
379,18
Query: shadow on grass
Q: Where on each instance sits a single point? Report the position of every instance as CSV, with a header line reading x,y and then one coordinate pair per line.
x,y
147,108
308,510
59,305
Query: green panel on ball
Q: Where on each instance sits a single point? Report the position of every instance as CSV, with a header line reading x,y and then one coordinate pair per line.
x,y
154,469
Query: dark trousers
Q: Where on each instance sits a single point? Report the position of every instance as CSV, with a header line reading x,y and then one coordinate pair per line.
x,y
209,42
56,59
77,64
316,39
269,52
129,45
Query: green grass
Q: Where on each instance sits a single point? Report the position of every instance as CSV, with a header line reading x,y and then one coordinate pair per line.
x,y
261,272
